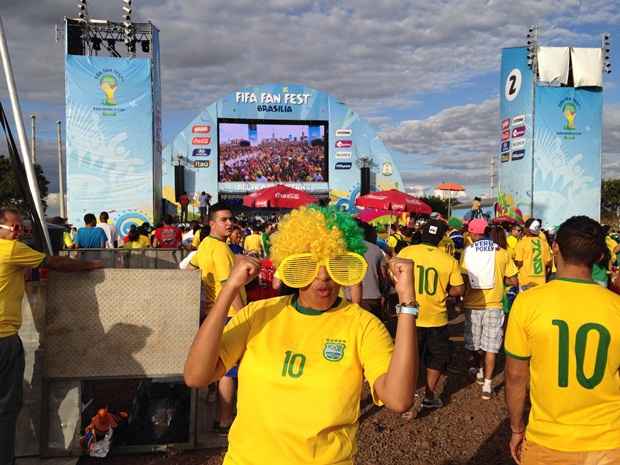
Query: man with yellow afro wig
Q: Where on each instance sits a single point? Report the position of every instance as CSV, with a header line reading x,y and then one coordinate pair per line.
x,y
303,358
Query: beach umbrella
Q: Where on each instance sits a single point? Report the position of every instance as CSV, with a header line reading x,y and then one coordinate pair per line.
x,y
278,196
450,187
394,201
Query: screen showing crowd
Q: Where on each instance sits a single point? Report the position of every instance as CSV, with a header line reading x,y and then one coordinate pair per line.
x,y
271,152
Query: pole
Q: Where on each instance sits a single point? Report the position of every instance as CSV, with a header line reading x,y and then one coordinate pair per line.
x,y
61,170
21,133
33,138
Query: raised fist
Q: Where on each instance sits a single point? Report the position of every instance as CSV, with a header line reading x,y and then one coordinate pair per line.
x,y
244,270
401,271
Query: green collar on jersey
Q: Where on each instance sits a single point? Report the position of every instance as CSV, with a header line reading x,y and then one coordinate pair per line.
x,y
576,280
312,311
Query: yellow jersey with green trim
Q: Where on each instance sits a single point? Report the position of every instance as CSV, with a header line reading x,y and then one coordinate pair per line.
x,y
253,243
215,260
300,380
535,255
433,271
447,245
15,258
570,332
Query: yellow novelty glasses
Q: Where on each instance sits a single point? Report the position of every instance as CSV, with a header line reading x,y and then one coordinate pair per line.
x,y
299,270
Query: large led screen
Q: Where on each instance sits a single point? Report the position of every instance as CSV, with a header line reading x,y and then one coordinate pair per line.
x,y
272,152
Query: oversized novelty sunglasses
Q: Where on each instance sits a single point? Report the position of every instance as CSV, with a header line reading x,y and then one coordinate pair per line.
x,y
299,270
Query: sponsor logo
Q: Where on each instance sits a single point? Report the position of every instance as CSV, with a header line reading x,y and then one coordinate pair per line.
x,y
518,143
569,110
505,146
333,350
518,132
201,129
201,140
387,169
504,157
201,152
343,155
518,120
202,164
344,144
505,135
518,154
344,165
109,85
505,123
343,132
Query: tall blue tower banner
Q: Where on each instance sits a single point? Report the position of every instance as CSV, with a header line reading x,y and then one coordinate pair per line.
x,y
567,165
516,129
287,134
110,139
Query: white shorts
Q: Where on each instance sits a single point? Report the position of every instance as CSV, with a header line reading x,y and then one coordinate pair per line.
x,y
484,329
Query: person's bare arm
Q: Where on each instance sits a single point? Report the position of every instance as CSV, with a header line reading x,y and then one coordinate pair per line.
x,y
67,264
512,281
396,388
203,364
356,293
518,264
517,377
457,291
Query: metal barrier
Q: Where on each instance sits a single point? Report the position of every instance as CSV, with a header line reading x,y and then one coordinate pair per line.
x,y
149,258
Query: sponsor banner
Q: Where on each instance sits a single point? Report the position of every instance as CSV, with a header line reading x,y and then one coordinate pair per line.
x,y
518,143
505,157
111,138
505,135
344,165
505,124
201,129
201,152
518,154
567,165
201,140
505,146
518,132
201,163
344,144
518,120
344,132
343,155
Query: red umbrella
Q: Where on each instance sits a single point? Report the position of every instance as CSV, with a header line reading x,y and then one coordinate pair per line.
x,y
278,196
393,200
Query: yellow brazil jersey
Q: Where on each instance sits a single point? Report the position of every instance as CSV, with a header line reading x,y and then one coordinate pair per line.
x,y
479,299
447,245
512,245
535,255
253,243
433,271
15,257
300,380
611,245
196,240
215,260
570,332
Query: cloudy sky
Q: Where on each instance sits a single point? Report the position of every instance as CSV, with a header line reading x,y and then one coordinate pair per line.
x,y
425,73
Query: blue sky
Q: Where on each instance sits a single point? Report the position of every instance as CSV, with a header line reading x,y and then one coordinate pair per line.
x,y
424,73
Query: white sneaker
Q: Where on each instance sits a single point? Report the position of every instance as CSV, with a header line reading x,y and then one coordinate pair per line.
x,y
477,373
487,391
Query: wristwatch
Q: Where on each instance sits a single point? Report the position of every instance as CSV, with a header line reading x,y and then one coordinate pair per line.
x,y
410,308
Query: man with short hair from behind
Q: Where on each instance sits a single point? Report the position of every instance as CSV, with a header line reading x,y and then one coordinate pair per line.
x,y
109,229
90,236
563,340
168,236
16,258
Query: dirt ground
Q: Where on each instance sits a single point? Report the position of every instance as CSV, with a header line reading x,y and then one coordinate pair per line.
x,y
466,431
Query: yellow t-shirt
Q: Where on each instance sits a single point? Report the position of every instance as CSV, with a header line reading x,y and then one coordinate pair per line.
x,y
433,271
300,380
253,243
15,258
570,332
215,260
535,255
512,245
134,244
479,299
196,240
392,241
447,245
611,245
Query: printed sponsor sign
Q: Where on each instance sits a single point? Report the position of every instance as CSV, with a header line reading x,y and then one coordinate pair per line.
x,y
201,152
518,132
201,140
505,135
344,165
518,154
201,129
344,132
344,144
505,146
201,164
518,120
505,157
343,155
518,143
506,124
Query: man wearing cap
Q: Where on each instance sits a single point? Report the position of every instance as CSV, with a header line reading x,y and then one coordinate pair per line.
x,y
437,276
532,256
487,269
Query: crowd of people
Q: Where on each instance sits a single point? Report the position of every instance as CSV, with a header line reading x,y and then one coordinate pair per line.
x,y
279,160
297,311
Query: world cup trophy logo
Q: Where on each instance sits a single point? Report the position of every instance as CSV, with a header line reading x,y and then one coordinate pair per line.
x,y
570,111
108,86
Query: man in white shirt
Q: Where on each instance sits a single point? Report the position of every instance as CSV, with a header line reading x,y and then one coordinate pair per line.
x,y
205,203
109,229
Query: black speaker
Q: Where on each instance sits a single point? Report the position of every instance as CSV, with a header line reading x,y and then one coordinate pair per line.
x,y
75,45
179,181
365,184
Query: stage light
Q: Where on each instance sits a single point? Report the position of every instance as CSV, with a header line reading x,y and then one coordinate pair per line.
x,y
146,46
96,43
606,46
83,13
532,46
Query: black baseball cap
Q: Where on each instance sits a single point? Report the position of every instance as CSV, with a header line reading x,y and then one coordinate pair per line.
x,y
434,231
